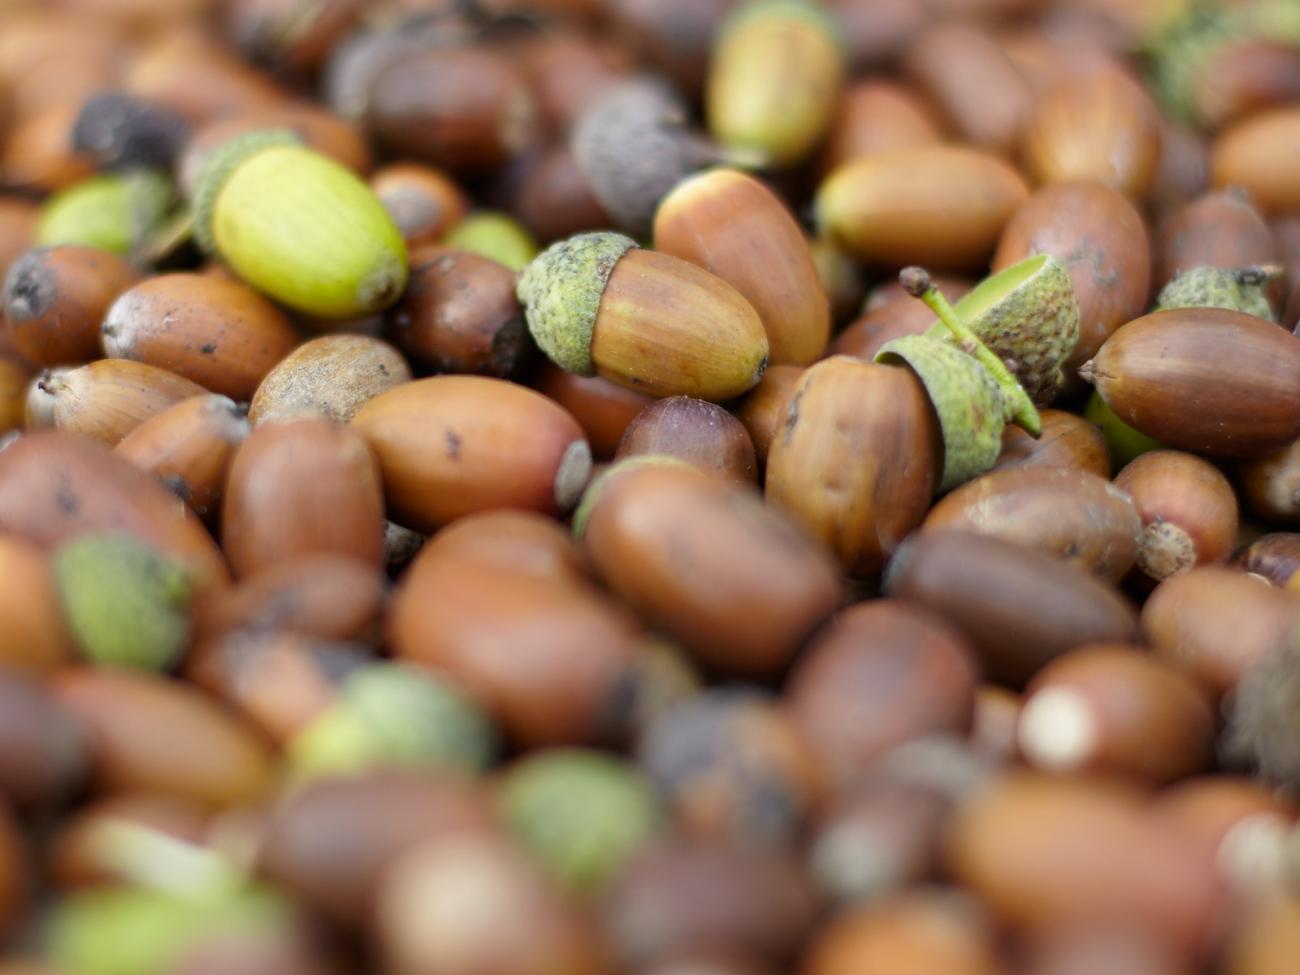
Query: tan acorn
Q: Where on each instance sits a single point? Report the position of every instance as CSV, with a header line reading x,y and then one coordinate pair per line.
x,y
331,375
598,304
109,398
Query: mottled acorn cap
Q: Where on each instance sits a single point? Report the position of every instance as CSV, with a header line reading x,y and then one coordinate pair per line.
x,y
560,291
633,145
1028,317
971,408
1237,289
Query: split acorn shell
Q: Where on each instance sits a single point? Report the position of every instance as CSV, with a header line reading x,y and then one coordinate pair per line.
x,y
596,304
299,227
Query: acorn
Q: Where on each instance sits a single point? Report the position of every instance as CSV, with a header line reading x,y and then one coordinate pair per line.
x,y
1275,556
603,409
1262,726
109,398
423,201
331,375
774,80
598,304
1237,289
1067,441
877,115
1123,443
1220,229
1205,380
1270,486
583,814
552,197
729,223
126,604
497,236
299,227
763,408
1246,155
117,212
121,131
699,432
392,715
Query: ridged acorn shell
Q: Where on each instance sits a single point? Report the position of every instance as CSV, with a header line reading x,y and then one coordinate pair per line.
x,y
1237,289
561,290
972,411
1033,327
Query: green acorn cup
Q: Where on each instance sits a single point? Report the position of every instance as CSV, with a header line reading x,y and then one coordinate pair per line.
x,y
1123,443
497,236
299,227
1237,289
118,212
581,813
126,604
389,715
1028,316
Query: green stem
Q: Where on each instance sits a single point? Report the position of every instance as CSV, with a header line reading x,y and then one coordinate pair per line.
x,y
917,282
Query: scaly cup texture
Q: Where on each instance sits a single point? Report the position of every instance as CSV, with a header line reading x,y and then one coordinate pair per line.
x,y
1237,289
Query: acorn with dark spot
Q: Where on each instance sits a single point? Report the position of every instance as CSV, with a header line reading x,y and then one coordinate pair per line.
x,y
597,304
119,131
1242,289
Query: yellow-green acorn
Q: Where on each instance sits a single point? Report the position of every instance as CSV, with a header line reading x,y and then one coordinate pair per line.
x,y
116,212
391,715
1123,443
774,80
299,227
597,304
581,813
497,236
1237,289
126,604
1028,316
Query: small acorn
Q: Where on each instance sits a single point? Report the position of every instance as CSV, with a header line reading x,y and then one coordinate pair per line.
x,y
299,227
116,212
633,145
774,80
581,813
497,236
1237,289
424,202
598,304
126,604
394,715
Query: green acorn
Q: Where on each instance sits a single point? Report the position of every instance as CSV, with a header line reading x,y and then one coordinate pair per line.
x,y
126,604
581,813
774,80
1237,289
496,236
1028,316
118,212
1123,443
299,227
391,715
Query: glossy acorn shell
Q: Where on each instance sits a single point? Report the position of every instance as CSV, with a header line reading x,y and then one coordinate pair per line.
x,y
736,583
1249,154
1275,557
1067,441
1205,380
453,445
423,201
729,223
1269,486
855,459
696,431
602,408
763,408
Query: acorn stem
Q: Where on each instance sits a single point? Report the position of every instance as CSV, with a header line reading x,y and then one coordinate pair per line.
x,y
916,281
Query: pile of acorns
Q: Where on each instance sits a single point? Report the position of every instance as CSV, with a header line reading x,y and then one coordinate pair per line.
x,y
650,487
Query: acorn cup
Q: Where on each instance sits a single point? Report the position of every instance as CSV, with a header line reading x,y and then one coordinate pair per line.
x,y
299,227
598,305
774,80
1242,289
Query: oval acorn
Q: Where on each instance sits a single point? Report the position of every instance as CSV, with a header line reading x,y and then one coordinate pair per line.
x,y
1270,486
116,212
1067,441
598,304
299,227
108,398
330,375
693,430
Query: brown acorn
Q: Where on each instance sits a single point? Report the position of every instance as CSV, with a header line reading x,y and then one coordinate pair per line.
x,y
14,382
734,581
1275,557
206,755
300,488
56,297
1206,380
33,635
1270,486
423,201
1112,709
220,334
675,35
696,431
331,376
881,674
38,154
596,303
518,541
1072,514
1220,229
452,445
877,115
855,459
188,447
1188,510
603,409
459,314
1099,125
1265,941
982,586
109,398
1067,441
1102,240
729,223
763,408
568,70
553,198
281,35
940,205
1246,155
1217,623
